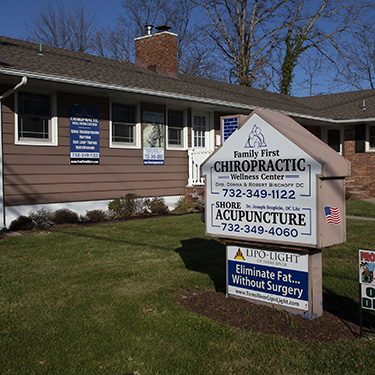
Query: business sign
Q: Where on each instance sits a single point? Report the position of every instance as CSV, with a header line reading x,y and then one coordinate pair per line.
x,y
367,278
153,138
275,277
84,135
153,156
261,186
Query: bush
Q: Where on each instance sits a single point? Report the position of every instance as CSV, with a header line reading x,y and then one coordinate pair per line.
x,y
184,205
157,206
127,206
95,216
200,205
65,216
42,219
21,223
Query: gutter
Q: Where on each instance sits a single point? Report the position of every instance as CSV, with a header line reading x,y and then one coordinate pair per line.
x,y
2,97
14,89
169,95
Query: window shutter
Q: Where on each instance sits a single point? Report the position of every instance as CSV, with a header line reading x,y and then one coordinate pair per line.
x,y
360,138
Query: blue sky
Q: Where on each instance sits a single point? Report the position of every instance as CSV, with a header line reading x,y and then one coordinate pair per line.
x,y
15,13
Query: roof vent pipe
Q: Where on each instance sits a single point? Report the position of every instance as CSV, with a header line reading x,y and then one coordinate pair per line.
x,y
149,29
364,105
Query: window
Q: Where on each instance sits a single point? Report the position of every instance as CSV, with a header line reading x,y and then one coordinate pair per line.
x,y
34,121
124,129
153,129
176,129
199,131
334,139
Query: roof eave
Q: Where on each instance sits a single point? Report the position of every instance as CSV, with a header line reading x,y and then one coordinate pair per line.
x,y
169,95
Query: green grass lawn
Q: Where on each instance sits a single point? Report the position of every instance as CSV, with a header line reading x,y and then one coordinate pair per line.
x,y
101,300
360,208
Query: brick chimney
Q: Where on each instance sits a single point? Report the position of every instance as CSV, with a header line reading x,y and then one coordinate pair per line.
x,y
157,52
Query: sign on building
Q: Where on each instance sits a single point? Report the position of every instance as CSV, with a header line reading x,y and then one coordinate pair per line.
x,y
84,135
153,138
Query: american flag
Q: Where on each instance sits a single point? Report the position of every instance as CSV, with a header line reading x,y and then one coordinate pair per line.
x,y
332,215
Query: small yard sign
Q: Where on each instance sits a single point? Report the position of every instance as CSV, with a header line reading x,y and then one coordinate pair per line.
x,y
367,278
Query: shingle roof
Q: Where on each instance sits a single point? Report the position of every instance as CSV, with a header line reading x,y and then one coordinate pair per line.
x,y
19,56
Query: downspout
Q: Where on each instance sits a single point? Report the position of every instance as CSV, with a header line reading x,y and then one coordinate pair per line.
x,y
2,97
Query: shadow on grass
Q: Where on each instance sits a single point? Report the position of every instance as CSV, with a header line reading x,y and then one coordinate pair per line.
x,y
347,309
113,239
208,256
205,256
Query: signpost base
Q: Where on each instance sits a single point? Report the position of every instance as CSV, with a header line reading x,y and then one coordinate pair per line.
x,y
280,277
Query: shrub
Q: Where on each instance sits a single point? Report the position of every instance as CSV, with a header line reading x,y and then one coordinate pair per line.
x,y
65,216
200,205
42,219
157,206
21,223
126,206
95,216
184,205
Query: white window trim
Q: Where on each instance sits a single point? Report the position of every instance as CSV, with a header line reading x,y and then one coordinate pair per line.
x,y
137,133
342,136
367,142
184,146
53,125
207,133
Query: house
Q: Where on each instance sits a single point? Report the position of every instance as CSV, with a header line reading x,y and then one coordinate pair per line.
x,y
79,130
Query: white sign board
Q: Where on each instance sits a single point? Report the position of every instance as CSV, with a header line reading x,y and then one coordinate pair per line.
x,y
268,276
262,187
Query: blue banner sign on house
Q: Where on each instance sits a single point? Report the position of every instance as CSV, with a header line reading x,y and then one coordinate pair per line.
x,y
153,138
84,135
230,125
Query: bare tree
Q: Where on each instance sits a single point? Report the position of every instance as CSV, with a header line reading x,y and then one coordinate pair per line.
x,y
139,13
193,50
113,43
311,24
63,25
246,32
310,69
357,59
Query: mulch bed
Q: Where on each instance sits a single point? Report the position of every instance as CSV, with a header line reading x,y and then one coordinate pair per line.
x,y
267,320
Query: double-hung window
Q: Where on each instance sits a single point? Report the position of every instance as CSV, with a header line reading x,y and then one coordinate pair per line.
x,y
199,131
35,123
124,129
176,136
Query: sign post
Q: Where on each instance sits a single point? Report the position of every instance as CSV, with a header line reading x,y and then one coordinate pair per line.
x,y
274,183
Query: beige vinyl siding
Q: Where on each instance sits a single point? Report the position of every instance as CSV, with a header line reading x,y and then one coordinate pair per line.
x,y
37,174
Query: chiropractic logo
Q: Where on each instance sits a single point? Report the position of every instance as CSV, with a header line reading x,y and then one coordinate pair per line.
x,y
256,138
